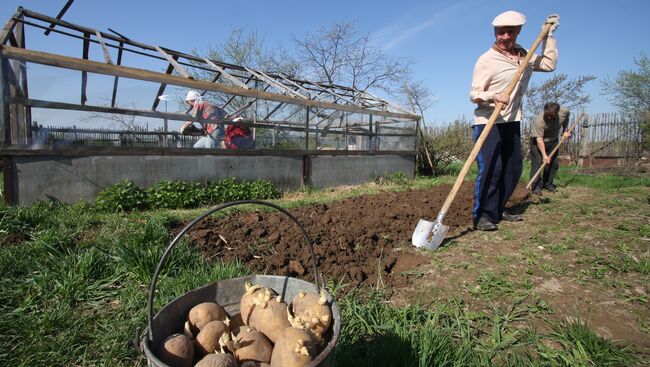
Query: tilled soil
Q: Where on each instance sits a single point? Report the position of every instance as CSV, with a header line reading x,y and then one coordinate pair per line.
x,y
360,241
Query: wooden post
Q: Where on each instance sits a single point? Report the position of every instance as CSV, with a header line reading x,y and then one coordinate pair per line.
x,y
84,73
5,116
346,132
307,129
371,136
584,143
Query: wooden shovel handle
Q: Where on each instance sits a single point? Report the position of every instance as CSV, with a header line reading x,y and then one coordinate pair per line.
x,y
497,110
550,156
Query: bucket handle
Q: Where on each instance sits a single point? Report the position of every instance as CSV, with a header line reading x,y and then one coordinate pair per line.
x,y
172,244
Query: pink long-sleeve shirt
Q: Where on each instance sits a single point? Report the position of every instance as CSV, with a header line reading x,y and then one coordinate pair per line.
x,y
493,72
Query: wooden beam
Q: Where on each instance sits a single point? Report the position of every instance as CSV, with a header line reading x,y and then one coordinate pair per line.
x,y
281,87
228,76
141,74
181,70
8,28
298,86
107,55
88,108
285,125
59,16
119,62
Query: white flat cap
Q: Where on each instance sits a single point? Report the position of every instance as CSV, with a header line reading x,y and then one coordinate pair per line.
x,y
509,18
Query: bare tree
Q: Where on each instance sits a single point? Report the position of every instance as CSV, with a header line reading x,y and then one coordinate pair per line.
x,y
417,96
336,55
246,50
568,92
114,120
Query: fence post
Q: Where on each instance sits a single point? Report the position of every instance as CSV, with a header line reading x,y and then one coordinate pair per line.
x,y
584,144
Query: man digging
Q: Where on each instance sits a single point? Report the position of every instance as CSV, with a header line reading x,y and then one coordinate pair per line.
x,y
500,158
543,139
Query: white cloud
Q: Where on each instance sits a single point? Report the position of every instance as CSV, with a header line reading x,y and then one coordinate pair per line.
x,y
395,33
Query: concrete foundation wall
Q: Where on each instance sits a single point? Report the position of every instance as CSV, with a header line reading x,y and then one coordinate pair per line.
x,y
352,170
74,179
71,179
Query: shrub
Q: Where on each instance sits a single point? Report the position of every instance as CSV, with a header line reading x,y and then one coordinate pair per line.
x,y
261,190
231,189
123,196
446,145
176,194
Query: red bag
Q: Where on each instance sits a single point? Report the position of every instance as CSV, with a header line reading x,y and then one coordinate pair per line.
x,y
233,132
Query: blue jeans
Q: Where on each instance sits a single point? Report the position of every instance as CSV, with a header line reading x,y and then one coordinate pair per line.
x,y
499,169
209,141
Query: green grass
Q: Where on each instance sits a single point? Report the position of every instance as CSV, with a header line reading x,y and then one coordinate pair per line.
x,y
570,176
74,292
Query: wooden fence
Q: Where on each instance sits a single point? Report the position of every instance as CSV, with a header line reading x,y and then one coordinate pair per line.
x,y
73,136
606,138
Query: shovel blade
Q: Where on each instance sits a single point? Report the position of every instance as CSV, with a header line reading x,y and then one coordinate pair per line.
x,y
429,235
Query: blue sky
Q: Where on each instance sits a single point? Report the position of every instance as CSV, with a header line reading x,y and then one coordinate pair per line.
x,y
443,38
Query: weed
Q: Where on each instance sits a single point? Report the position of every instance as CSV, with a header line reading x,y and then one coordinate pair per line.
x,y
261,247
644,230
530,257
555,269
490,285
582,347
123,196
506,234
636,299
540,307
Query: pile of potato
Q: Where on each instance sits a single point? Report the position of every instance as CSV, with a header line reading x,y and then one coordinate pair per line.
x,y
266,332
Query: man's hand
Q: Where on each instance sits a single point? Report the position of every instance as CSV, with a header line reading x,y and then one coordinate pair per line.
x,y
502,98
553,19
546,159
566,135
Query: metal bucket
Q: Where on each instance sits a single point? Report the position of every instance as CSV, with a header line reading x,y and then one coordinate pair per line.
x,y
227,293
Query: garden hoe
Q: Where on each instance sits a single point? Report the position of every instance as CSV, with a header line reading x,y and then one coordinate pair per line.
x,y
429,235
550,156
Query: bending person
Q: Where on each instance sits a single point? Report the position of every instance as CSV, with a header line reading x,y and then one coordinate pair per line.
x,y
210,118
543,139
238,136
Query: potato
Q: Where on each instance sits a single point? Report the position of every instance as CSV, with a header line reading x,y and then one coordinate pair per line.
x,y
207,340
217,360
254,295
235,322
270,318
293,348
311,312
203,313
252,346
263,309
177,350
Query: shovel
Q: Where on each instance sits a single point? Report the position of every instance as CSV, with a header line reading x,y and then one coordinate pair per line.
x,y
429,235
550,156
